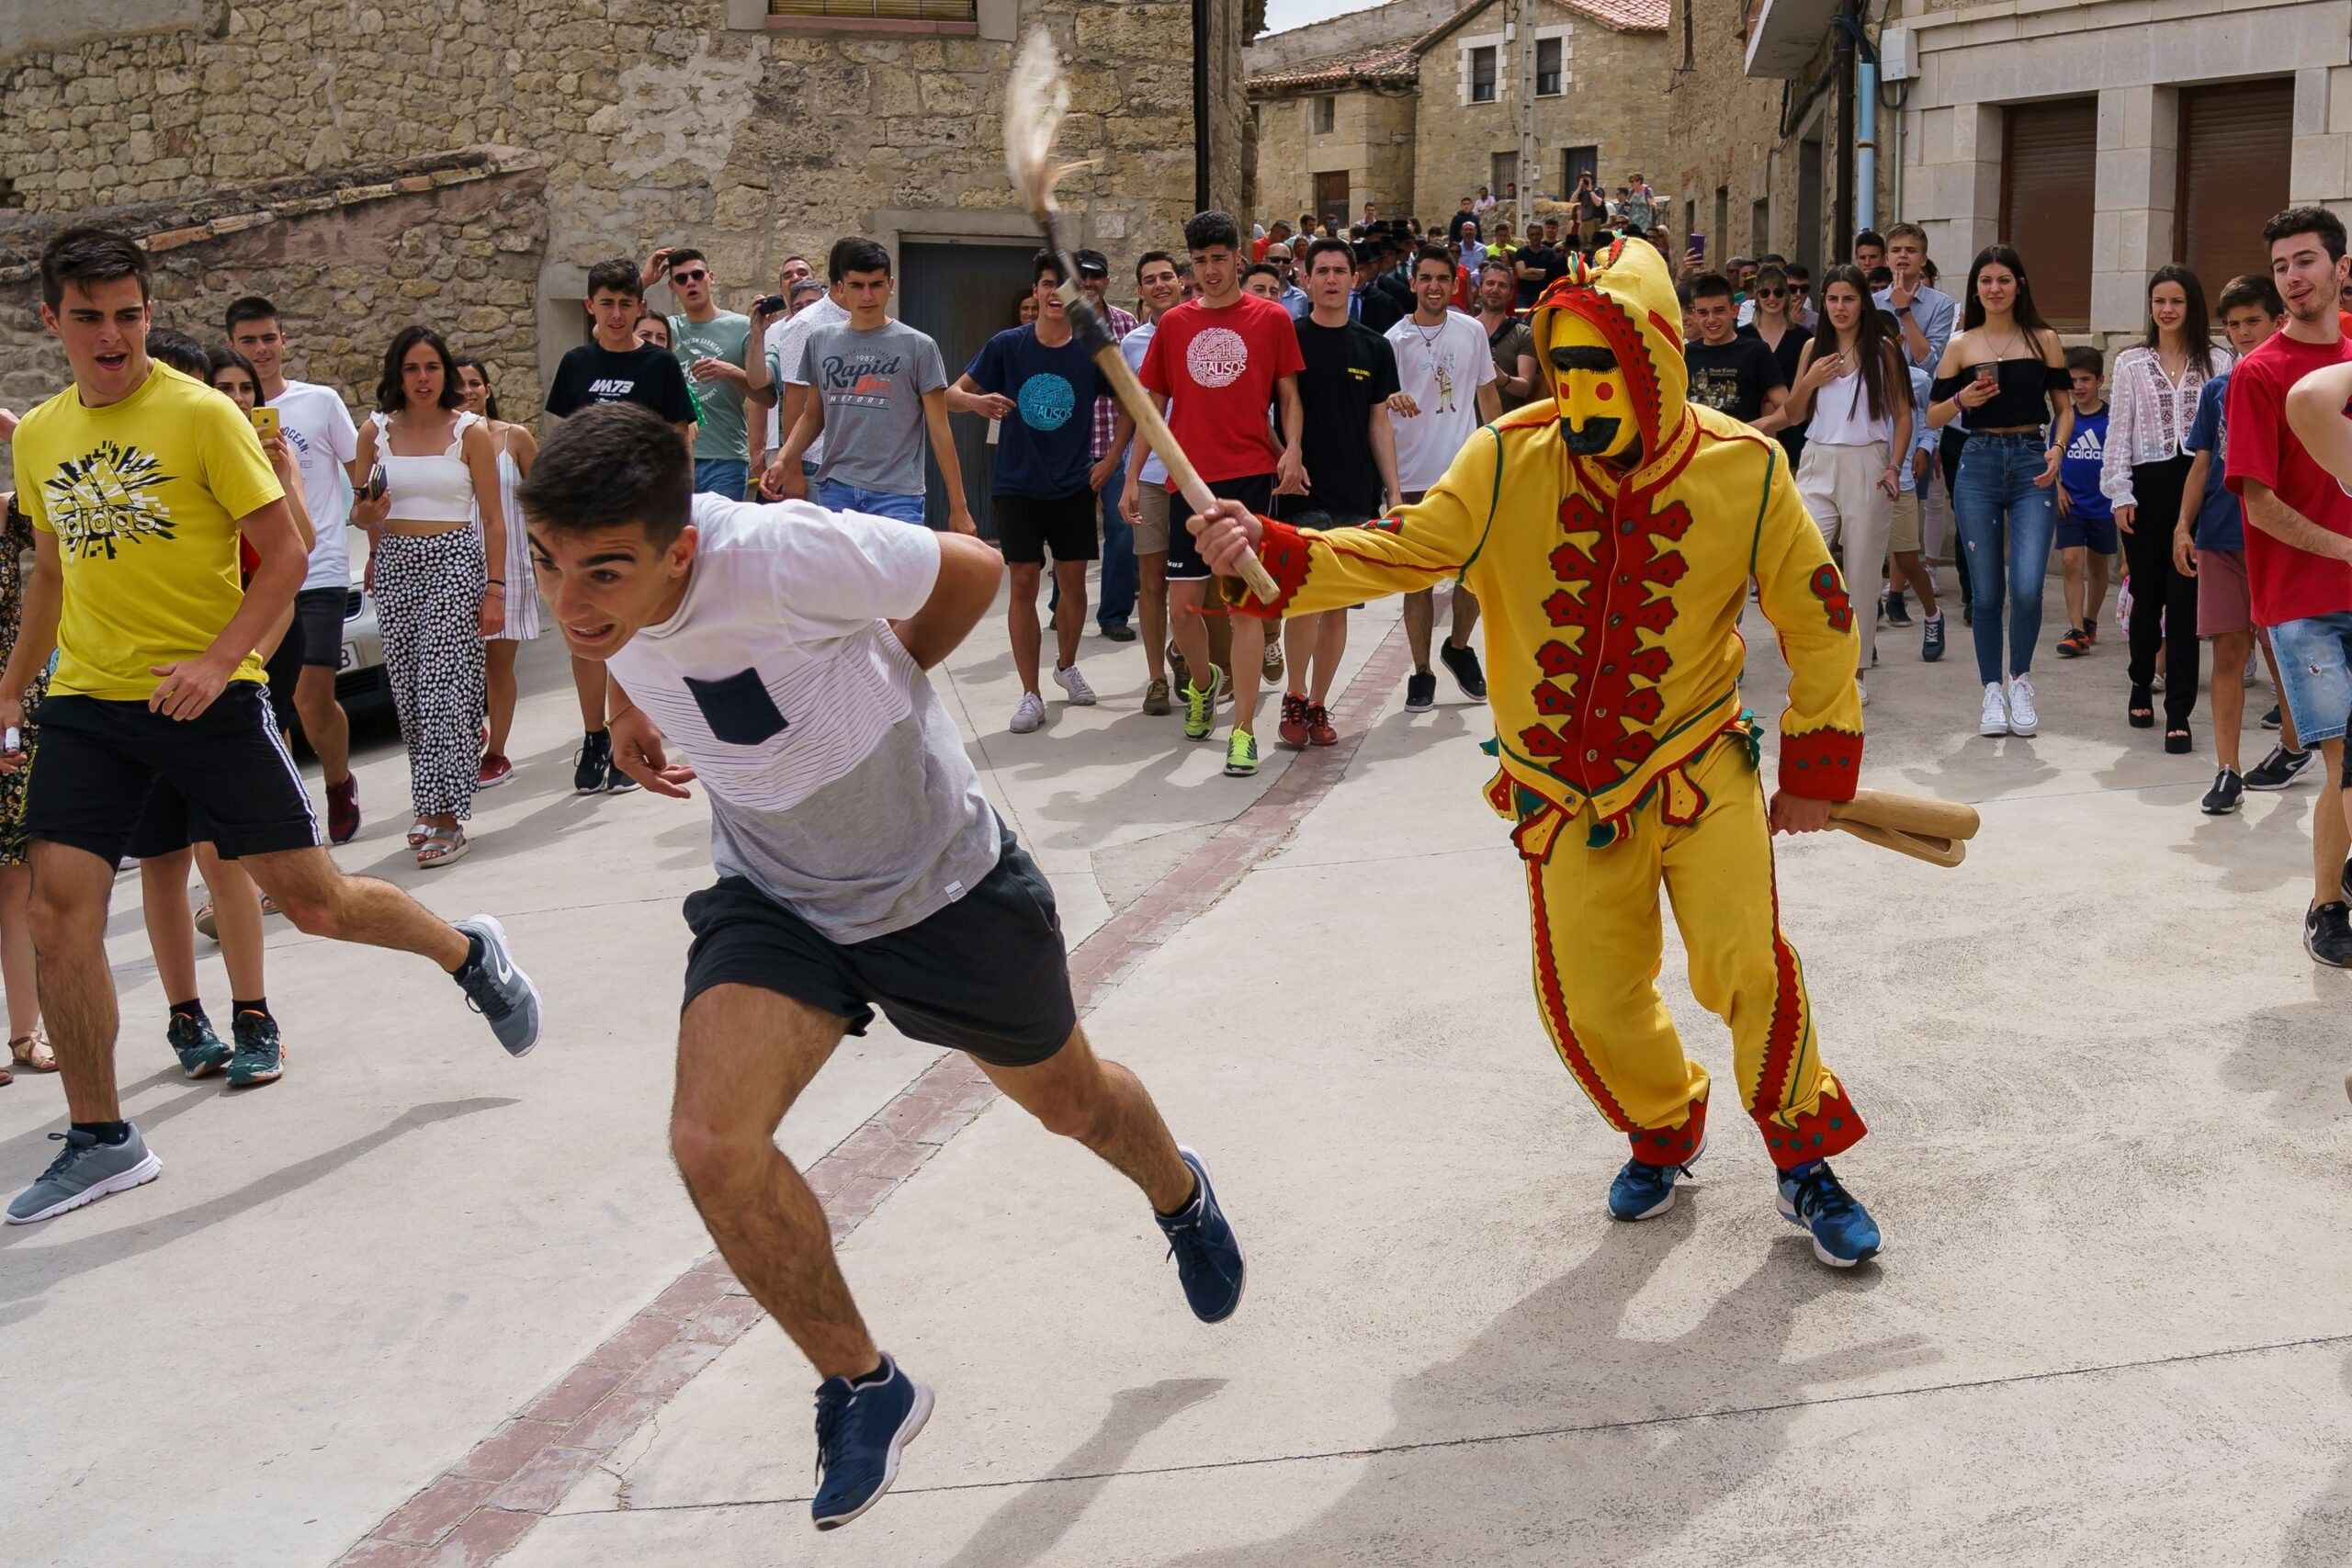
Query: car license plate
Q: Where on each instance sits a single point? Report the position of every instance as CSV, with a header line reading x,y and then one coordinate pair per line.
x,y
350,657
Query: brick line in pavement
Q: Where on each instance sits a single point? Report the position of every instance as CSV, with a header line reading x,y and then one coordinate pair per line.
x,y
479,1508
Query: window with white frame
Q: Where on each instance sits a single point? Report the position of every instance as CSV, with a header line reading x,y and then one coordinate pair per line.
x,y
1482,74
1549,74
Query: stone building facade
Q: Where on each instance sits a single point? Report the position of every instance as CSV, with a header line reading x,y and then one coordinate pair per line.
x,y
1417,120
652,122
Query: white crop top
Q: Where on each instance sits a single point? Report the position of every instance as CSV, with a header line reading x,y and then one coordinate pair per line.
x,y
428,490
1841,412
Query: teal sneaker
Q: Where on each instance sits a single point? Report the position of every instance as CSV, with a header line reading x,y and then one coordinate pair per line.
x,y
260,1059
200,1052
84,1171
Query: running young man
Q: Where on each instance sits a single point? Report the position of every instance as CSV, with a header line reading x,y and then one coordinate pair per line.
x,y
1238,357
1350,461
140,482
614,366
2299,550
319,429
860,867
1041,385
1447,372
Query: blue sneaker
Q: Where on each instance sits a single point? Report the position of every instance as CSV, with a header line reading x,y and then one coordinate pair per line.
x,y
498,990
201,1052
260,1058
1644,1192
1843,1231
1208,1260
860,1430
84,1171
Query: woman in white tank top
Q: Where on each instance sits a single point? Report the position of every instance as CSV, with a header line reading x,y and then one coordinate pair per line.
x,y
439,579
516,448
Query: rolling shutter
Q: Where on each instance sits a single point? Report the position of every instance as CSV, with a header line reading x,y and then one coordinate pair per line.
x,y
2234,141
2049,177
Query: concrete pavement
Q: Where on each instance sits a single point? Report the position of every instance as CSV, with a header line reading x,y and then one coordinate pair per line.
x,y
2108,1130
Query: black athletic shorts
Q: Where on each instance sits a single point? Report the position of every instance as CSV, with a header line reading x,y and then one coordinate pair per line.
x,y
234,782
987,974
1026,527
1255,492
317,630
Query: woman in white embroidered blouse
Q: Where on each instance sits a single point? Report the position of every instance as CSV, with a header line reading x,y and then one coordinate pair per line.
x,y
2151,401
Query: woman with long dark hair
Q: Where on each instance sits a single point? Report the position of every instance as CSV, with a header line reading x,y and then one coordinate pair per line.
x,y
2006,371
440,583
2151,401
1851,382
516,448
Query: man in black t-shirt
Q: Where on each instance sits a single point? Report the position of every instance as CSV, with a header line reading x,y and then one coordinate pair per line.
x,y
1349,450
614,367
1731,374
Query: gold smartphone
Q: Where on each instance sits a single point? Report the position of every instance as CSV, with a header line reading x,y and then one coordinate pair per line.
x,y
265,423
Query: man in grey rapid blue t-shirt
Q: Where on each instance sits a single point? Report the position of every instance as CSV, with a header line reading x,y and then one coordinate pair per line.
x,y
881,390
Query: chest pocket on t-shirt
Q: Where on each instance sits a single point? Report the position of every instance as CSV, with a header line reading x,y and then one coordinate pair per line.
x,y
738,709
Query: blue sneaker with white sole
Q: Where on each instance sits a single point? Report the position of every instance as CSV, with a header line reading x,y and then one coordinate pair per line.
x,y
497,988
84,1171
1644,1192
1208,1260
861,1428
1843,1231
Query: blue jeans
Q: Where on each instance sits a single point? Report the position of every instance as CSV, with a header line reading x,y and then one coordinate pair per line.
x,y
2006,524
1121,579
2314,658
729,476
836,496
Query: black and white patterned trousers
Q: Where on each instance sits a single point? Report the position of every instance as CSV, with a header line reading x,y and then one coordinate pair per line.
x,y
428,609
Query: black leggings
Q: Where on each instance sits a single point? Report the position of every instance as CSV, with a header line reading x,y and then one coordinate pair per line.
x,y
2164,599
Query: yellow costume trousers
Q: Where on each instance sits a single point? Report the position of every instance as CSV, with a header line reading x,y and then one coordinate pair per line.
x,y
1703,835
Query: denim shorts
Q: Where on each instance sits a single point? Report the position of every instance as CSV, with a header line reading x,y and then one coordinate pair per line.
x,y
2315,667
836,496
2075,532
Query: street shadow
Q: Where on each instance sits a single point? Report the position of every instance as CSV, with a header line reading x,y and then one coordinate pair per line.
x,y
32,1148
34,1269
1696,1415
2292,1058
1036,1521
1985,768
2251,856
2321,1536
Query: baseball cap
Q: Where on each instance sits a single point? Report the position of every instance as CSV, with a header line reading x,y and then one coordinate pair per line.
x,y
1093,263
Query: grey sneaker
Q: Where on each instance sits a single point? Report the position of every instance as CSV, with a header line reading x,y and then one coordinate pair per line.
x,y
496,988
84,1171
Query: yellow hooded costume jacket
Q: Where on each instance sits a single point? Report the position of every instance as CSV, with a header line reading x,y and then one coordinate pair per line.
x,y
1611,599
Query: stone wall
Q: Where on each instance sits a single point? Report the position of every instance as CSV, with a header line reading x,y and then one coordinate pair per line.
x,y
657,121
1372,137
1610,101
1351,32
346,269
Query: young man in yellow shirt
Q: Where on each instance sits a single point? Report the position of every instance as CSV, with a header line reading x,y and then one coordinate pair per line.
x,y
140,482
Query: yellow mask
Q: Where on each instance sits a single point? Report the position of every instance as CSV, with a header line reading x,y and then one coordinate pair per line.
x,y
1596,415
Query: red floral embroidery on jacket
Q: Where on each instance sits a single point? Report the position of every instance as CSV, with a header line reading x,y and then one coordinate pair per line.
x,y
1830,588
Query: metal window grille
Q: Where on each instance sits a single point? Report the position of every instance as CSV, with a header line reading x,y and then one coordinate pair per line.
x,y
880,10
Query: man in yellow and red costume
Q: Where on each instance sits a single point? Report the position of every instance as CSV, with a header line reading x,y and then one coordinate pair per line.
x,y
1610,534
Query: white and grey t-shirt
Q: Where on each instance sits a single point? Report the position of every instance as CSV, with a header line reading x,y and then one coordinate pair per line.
x,y
325,441
839,786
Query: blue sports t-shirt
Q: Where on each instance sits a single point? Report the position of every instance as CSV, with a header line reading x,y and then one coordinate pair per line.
x,y
1041,448
2219,527
2078,469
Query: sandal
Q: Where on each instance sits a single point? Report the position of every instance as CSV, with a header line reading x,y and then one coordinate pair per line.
x,y
441,846
32,1052
418,832
2177,741
2142,709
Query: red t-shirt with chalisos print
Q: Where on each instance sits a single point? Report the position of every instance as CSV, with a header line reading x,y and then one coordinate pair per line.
x,y
1217,369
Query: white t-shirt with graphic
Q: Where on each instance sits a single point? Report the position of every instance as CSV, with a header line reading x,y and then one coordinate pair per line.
x,y
319,430
1441,368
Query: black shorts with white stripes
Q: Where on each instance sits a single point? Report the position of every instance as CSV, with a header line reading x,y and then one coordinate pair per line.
x,y
100,762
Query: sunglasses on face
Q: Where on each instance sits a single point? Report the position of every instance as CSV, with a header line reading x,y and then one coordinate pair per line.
x,y
688,277
1771,294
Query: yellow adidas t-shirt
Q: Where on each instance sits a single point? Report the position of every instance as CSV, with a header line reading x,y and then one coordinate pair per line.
x,y
143,496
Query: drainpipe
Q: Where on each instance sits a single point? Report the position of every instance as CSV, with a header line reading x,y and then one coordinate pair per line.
x,y
1866,144
1200,106
1842,69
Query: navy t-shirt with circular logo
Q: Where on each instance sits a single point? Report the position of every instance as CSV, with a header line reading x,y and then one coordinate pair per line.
x,y
1043,448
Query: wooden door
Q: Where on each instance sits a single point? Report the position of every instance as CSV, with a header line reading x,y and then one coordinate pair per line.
x,y
961,295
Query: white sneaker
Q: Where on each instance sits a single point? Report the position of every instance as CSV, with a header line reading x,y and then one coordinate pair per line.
x,y
1996,711
2022,718
1862,690
1071,681
1029,714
